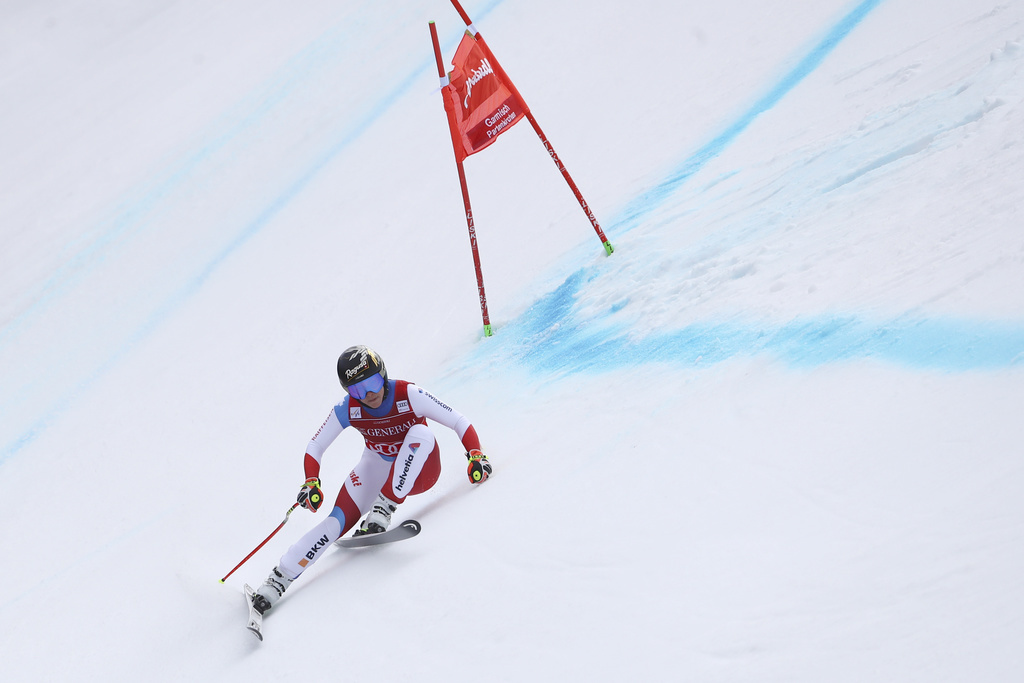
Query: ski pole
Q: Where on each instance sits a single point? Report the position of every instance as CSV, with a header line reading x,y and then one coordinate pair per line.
x,y
287,515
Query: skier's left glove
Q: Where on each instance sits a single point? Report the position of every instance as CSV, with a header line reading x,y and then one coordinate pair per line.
x,y
479,467
310,496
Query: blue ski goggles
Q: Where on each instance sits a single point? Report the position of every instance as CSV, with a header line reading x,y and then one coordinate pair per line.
x,y
371,384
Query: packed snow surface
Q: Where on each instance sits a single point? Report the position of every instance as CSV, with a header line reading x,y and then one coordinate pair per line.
x,y
776,436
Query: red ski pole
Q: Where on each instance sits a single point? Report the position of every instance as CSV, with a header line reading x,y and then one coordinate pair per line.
x,y
287,515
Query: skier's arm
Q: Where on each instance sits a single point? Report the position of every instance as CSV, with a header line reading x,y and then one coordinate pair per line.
x,y
323,438
425,404
310,495
429,406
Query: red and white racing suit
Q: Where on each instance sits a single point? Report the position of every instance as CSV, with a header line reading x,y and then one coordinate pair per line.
x,y
401,458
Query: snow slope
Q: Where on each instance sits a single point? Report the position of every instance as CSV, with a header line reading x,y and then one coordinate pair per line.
x,y
774,437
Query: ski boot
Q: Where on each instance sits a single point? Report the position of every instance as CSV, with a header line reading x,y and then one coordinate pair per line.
x,y
379,518
271,591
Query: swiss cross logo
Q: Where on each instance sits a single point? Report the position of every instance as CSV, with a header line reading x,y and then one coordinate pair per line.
x,y
354,413
403,406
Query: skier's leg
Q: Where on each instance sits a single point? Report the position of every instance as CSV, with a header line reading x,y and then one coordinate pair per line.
x,y
356,496
361,488
308,549
361,492
294,561
416,451
430,473
415,470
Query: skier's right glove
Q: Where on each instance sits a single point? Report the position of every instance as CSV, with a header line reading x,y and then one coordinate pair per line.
x,y
479,467
310,496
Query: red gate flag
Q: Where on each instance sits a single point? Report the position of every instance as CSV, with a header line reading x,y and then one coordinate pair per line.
x,y
480,104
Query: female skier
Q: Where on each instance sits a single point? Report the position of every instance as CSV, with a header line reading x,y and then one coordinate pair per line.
x,y
401,458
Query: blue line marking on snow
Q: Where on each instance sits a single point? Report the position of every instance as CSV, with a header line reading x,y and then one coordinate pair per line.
x,y
547,340
134,214
550,339
654,197
192,285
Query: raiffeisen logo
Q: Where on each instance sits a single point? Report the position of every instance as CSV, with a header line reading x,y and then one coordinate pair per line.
x,y
478,75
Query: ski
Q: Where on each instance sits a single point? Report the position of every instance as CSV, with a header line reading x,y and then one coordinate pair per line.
x,y
406,529
255,618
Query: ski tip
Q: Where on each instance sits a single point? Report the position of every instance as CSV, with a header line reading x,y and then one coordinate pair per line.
x,y
413,525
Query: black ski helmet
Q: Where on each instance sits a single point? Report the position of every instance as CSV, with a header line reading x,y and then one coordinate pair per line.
x,y
356,363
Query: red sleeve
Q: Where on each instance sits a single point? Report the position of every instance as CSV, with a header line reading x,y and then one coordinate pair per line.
x,y
470,441
311,466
